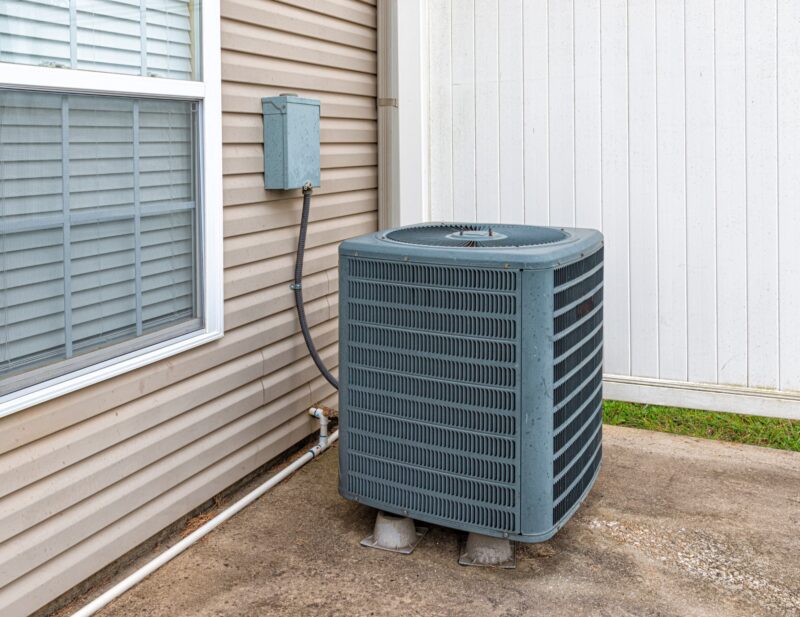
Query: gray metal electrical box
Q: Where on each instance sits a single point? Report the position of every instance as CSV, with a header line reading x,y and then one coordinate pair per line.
x,y
291,141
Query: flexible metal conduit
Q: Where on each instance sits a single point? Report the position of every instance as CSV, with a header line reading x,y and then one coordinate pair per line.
x,y
297,286
325,442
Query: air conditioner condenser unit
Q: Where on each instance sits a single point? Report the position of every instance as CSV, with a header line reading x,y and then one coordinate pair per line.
x,y
471,374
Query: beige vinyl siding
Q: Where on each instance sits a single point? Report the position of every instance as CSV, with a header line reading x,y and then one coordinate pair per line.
x,y
87,477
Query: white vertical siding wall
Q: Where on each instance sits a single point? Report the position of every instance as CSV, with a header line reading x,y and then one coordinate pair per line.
x,y
672,125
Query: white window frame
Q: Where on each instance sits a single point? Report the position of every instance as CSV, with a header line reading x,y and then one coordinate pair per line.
x,y
208,91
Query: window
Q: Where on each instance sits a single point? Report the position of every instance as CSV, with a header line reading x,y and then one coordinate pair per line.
x,y
137,37
110,239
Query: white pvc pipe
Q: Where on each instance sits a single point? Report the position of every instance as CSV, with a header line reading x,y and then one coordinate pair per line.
x,y
172,552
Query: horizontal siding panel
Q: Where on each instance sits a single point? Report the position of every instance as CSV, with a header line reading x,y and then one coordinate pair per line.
x,y
19,430
242,189
262,245
51,495
57,491
82,560
341,181
249,69
73,525
248,158
293,349
246,98
346,10
243,158
345,132
248,129
250,277
264,302
286,18
343,154
250,218
247,38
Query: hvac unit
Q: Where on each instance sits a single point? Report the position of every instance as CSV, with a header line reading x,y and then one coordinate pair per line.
x,y
471,374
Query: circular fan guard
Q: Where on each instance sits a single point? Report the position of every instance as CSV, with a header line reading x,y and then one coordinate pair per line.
x,y
476,235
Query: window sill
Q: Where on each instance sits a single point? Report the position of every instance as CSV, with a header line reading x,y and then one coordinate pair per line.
x,y
102,371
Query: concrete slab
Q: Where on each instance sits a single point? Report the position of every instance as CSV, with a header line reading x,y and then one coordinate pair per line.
x,y
675,526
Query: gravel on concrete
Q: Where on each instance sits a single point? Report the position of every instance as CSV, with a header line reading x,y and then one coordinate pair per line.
x,y
674,526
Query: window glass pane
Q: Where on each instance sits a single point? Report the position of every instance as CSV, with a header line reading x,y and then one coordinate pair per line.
x,y
171,38
98,230
137,37
168,221
35,32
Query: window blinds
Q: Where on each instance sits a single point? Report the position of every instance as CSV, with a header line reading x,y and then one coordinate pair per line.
x,y
97,224
139,37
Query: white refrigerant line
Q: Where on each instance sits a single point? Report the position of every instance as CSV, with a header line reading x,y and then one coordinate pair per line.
x,y
325,442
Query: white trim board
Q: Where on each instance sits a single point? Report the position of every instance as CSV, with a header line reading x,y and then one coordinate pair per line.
x,y
411,141
712,397
50,79
212,171
388,127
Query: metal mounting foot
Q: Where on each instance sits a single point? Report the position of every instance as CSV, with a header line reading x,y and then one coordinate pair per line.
x,y
394,533
487,551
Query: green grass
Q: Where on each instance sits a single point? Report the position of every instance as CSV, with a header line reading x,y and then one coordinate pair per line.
x,y
753,430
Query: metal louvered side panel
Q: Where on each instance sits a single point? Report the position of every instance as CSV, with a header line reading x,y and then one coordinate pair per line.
x,y
432,370
577,379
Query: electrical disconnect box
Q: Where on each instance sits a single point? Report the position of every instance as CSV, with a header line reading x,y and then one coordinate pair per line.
x,y
291,141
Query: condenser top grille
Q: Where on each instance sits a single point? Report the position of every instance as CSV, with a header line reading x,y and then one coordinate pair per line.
x,y
476,235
